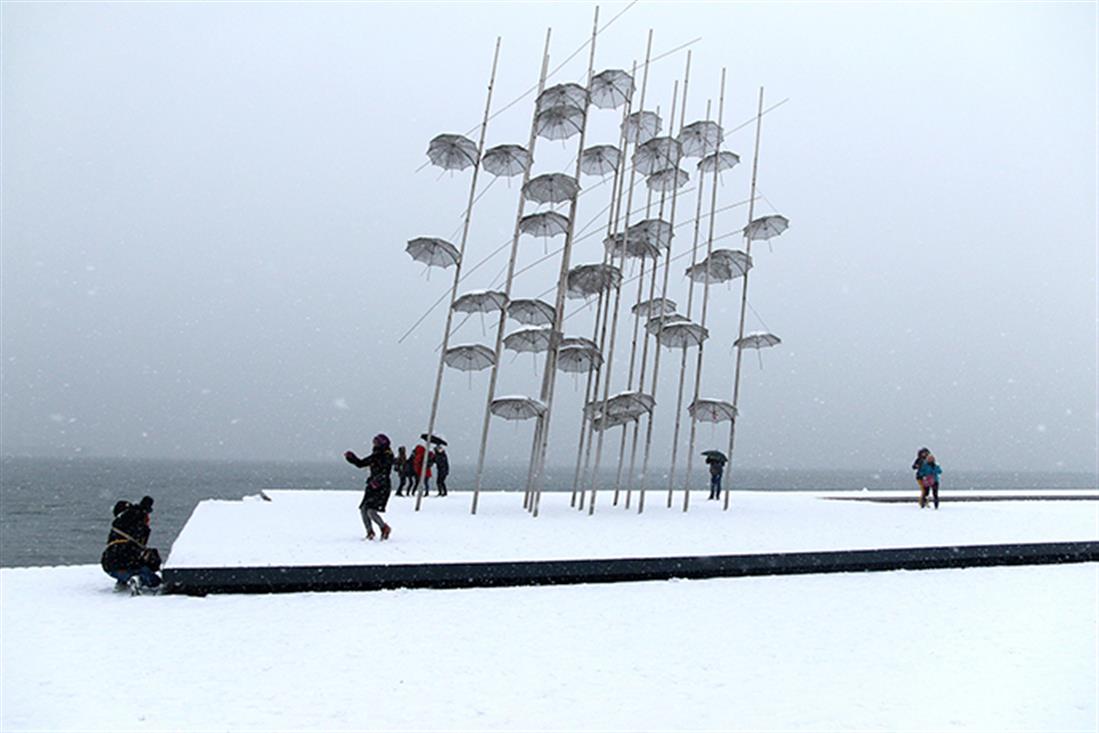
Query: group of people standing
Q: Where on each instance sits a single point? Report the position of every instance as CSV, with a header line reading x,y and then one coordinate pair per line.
x,y
411,470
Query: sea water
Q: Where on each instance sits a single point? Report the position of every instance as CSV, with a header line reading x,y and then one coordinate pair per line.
x,y
58,511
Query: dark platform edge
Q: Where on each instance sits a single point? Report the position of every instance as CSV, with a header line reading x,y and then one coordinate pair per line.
x,y
299,579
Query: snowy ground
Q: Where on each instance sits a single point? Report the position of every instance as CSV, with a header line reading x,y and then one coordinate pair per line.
x,y
995,649
324,528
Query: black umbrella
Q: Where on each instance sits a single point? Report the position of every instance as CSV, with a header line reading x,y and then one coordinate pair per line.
x,y
434,439
715,454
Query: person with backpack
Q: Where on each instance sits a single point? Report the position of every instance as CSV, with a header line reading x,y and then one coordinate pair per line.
x,y
378,484
127,557
442,470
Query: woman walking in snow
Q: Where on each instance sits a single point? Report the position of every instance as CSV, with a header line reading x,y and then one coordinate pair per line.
x,y
399,467
927,476
378,484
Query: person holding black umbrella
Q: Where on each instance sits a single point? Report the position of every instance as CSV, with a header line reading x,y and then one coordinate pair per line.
x,y
716,460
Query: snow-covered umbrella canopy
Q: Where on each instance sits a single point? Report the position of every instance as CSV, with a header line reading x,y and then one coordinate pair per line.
x,y
563,95
531,311
551,188
654,307
641,126
578,358
469,357
516,408
722,265
611,89
682,335
587,280
578,341
667,180
506,160
560,122
656,232
480,301
531,339
634,246
766,227
757,340
599,160
631,404
657,323
600,423
700,138
452,152
433,251
722,161
544,224
712,411
656,154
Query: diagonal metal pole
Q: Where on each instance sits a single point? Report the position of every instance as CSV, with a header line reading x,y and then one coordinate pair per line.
x,y
507,291
705,303
744,295
454,288
549,376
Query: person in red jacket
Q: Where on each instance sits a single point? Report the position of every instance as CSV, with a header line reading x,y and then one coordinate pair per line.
x,y
421,466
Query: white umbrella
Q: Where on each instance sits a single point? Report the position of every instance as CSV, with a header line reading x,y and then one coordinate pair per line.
x,y
559,123
721,266
578,341
634,246
641,126
469,357
654,307
758,340
656,154
506,160
600,423
452,152
654,231
578,358
656,323
433,251
599,160
531,339
700,138
667,180
563,95
480,301
587,280
712,410
544,224
631,404
723,161
682,335
611,88
766,227
551,188
531,311
516,408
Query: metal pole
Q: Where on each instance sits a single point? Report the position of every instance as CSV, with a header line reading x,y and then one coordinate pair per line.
x,y
507,291
744,293
454,288
705,303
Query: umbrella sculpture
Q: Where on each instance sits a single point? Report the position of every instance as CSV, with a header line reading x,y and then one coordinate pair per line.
x,y
766,227
433,251
682,335
655,231
551,188
579,358
656,154
452,152
641,126
469,357
631,404
480,301
712,411
599,423
531,311
578,341
634,246
655,324
611,89
667,179
722,161
559,123
516,408
759,340
587,280
544,224
563,95
531,339
700,138
654,307
599,160
506,160
721,266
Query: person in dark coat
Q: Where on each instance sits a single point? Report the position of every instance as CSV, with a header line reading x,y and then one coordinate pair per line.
x,y
716,463
442,469
378,484
399,467
408,471
127,557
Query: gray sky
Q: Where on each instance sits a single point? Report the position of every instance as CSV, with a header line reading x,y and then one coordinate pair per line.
x,y
205,208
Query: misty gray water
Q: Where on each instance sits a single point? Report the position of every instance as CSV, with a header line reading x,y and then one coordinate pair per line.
x,y
57,511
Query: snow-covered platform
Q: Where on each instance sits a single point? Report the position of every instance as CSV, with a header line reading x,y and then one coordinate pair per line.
x,y
289,541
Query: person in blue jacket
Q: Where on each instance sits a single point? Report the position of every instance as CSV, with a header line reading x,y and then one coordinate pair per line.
x,y
927,473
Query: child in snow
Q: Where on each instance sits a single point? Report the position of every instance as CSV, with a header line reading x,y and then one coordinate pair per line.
x,y
378,484
927,473
126,558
